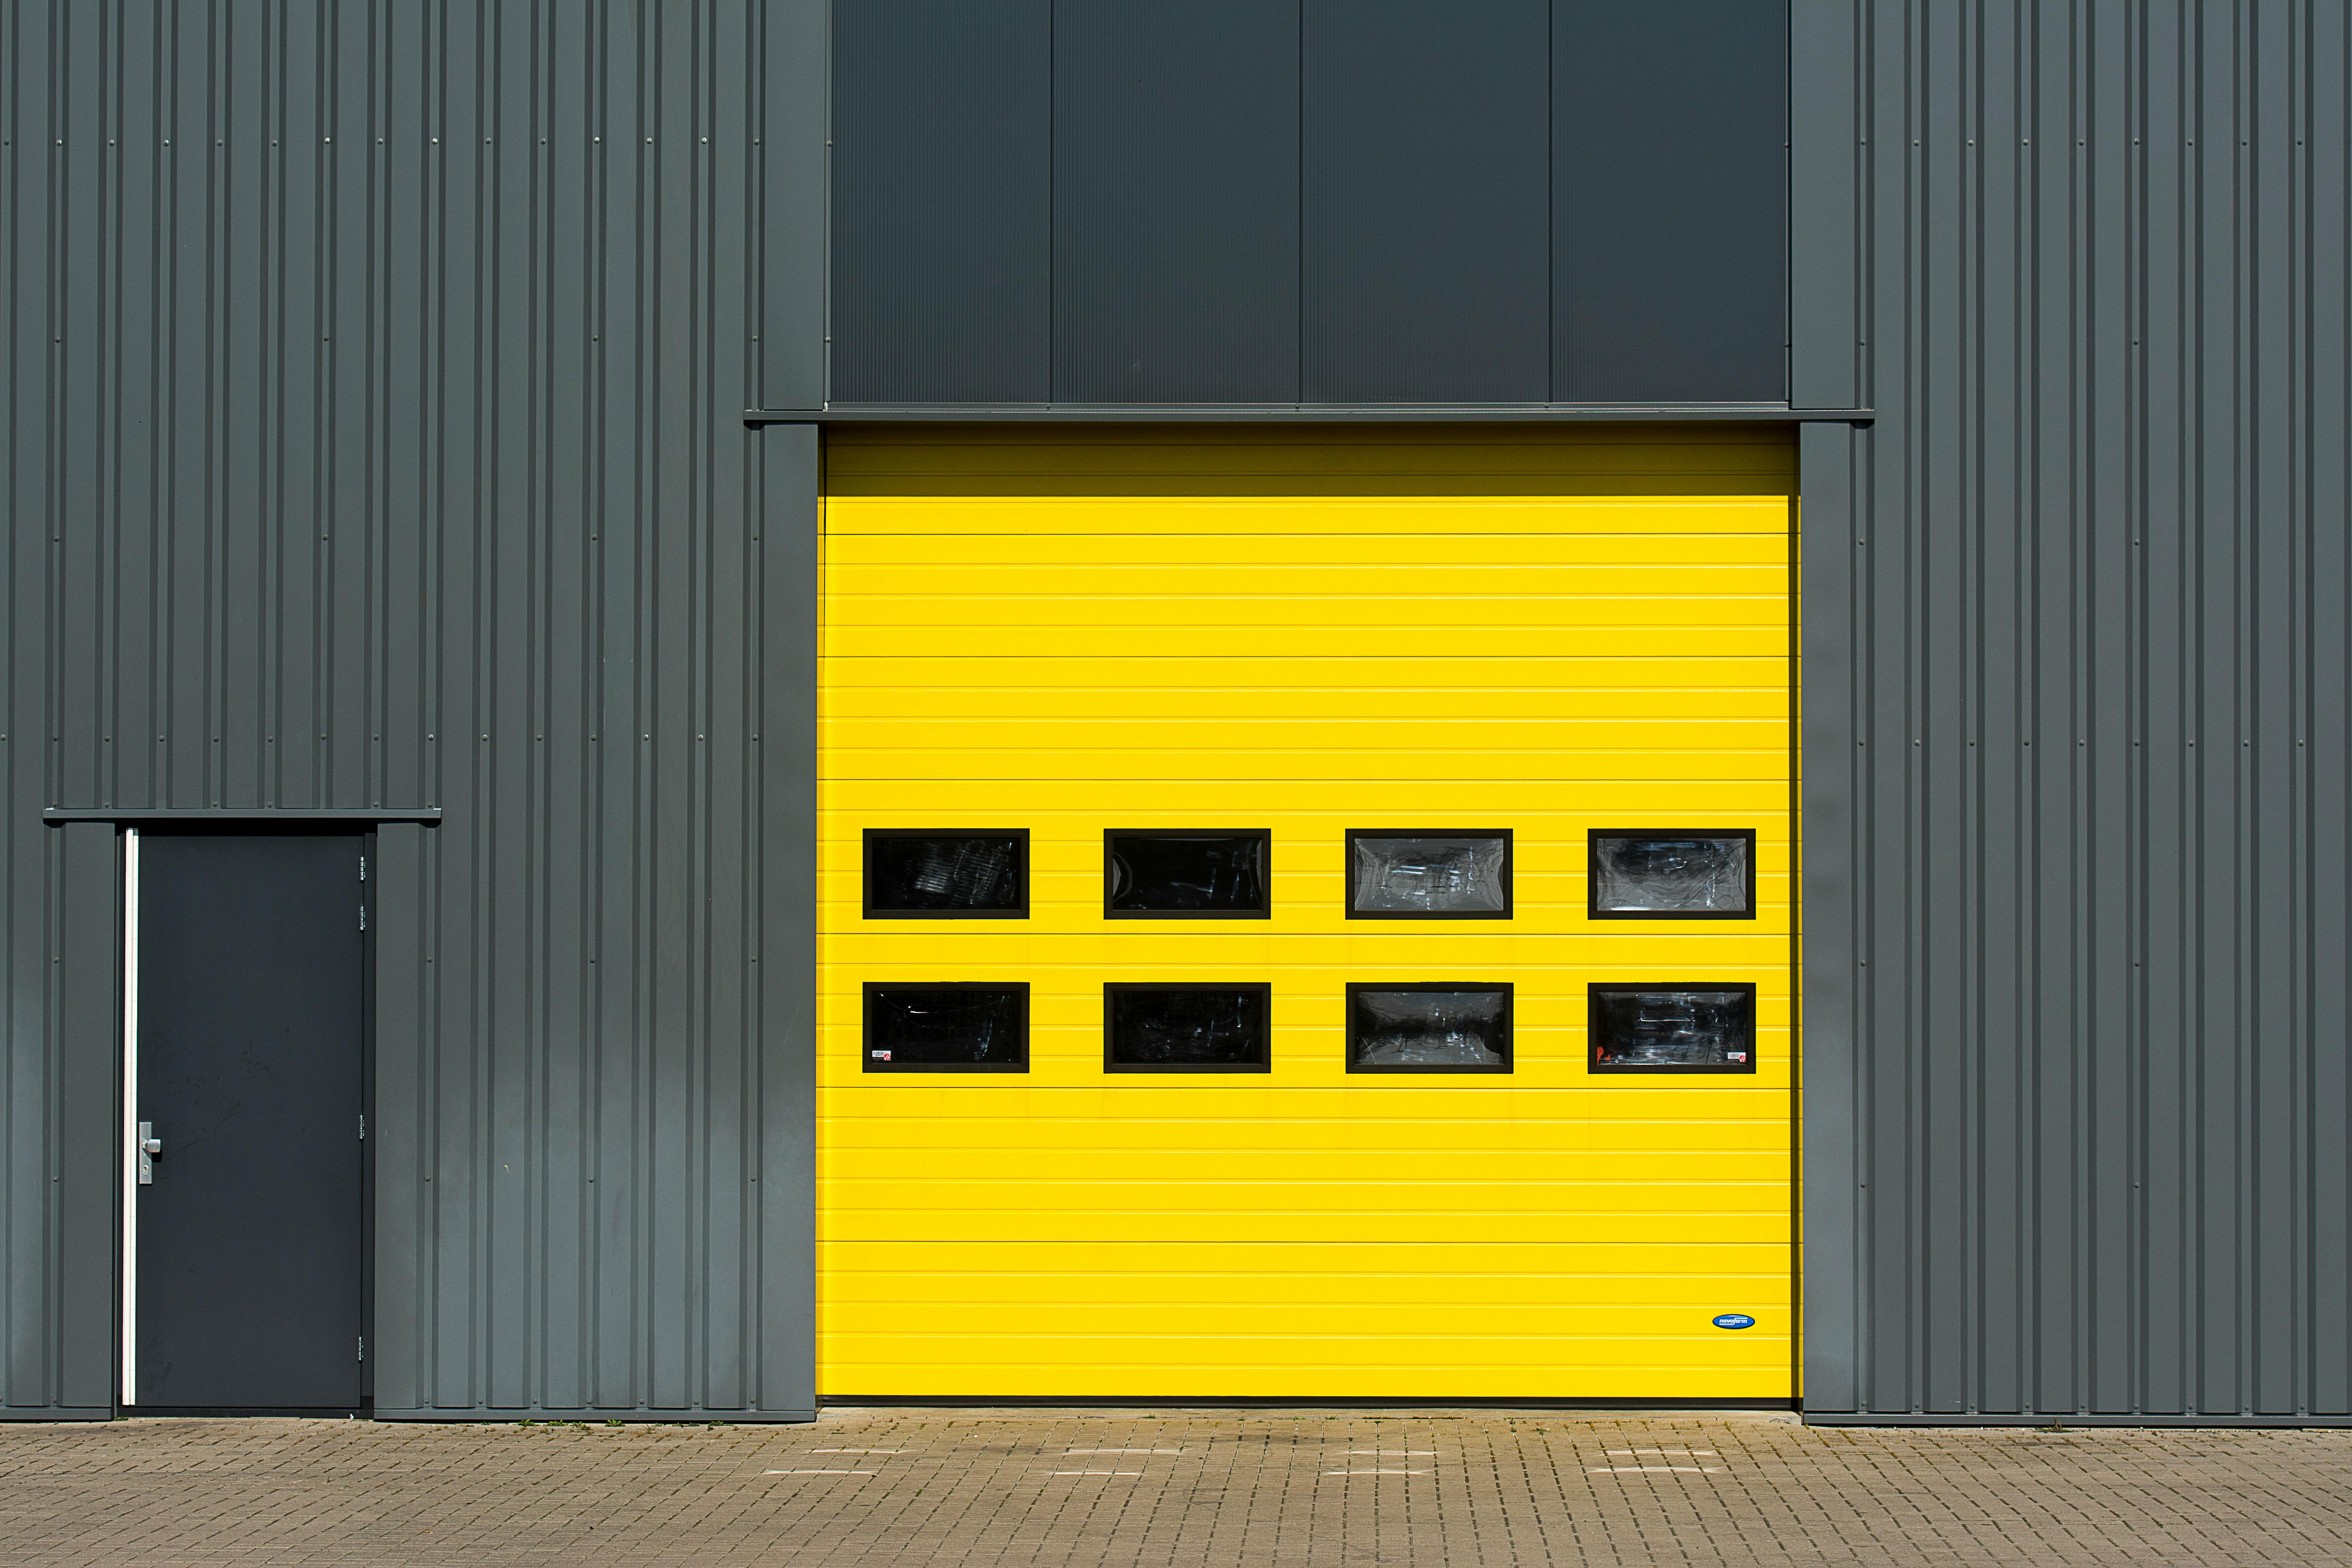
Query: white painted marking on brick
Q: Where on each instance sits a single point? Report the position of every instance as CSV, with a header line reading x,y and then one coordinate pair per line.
x,y
820,1472
1656,1469
1376,1472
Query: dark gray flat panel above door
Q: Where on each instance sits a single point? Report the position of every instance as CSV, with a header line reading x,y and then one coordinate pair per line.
x,y
250,1252
1671,195
942,169
1427,181
1176,201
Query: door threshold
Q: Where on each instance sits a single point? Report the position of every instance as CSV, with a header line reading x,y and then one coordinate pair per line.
x,y
297,1412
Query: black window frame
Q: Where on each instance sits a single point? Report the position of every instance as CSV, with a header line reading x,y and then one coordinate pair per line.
x,y
1020,835
1264,835
1510,1026
1596,990
1264,989
1510,851
873,988
1592,910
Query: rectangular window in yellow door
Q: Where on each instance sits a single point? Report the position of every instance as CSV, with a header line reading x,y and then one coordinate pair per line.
x,y
1474,650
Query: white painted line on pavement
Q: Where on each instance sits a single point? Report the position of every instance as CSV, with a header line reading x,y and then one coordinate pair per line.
x,y
1650,1469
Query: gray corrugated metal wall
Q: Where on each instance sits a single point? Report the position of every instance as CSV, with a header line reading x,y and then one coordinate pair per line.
x,y
2077,883
374,440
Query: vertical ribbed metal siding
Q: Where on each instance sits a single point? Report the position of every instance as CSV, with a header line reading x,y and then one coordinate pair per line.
x,y
372,439
2078,889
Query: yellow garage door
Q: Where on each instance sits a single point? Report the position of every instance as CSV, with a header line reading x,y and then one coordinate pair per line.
x,y
1245,646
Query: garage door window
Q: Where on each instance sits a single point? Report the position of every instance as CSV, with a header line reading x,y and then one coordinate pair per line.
x,y
932,874
1637,875
1153,875
1460,874
1186,1029
1673,1028
947,1027
1438,1027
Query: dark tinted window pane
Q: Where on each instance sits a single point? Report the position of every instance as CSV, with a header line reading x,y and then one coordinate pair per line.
x,y
946,1026
1695,874
944,872
1431,876
1220,1026
1416,1028
1187,873
1695,1028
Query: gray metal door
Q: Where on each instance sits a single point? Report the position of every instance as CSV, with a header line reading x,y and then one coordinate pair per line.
x,y
247,1075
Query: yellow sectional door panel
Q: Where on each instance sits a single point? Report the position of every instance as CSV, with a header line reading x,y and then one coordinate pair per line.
x,y
1077,629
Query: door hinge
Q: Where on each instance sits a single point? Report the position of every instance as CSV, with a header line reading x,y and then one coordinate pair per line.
x,y
362,867
363,1355
362,1126
363,917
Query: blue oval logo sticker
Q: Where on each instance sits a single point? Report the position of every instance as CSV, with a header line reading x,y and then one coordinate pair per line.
x,y
1735,1321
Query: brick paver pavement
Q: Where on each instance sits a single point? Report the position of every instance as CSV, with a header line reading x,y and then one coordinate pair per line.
x,y
1144,1489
